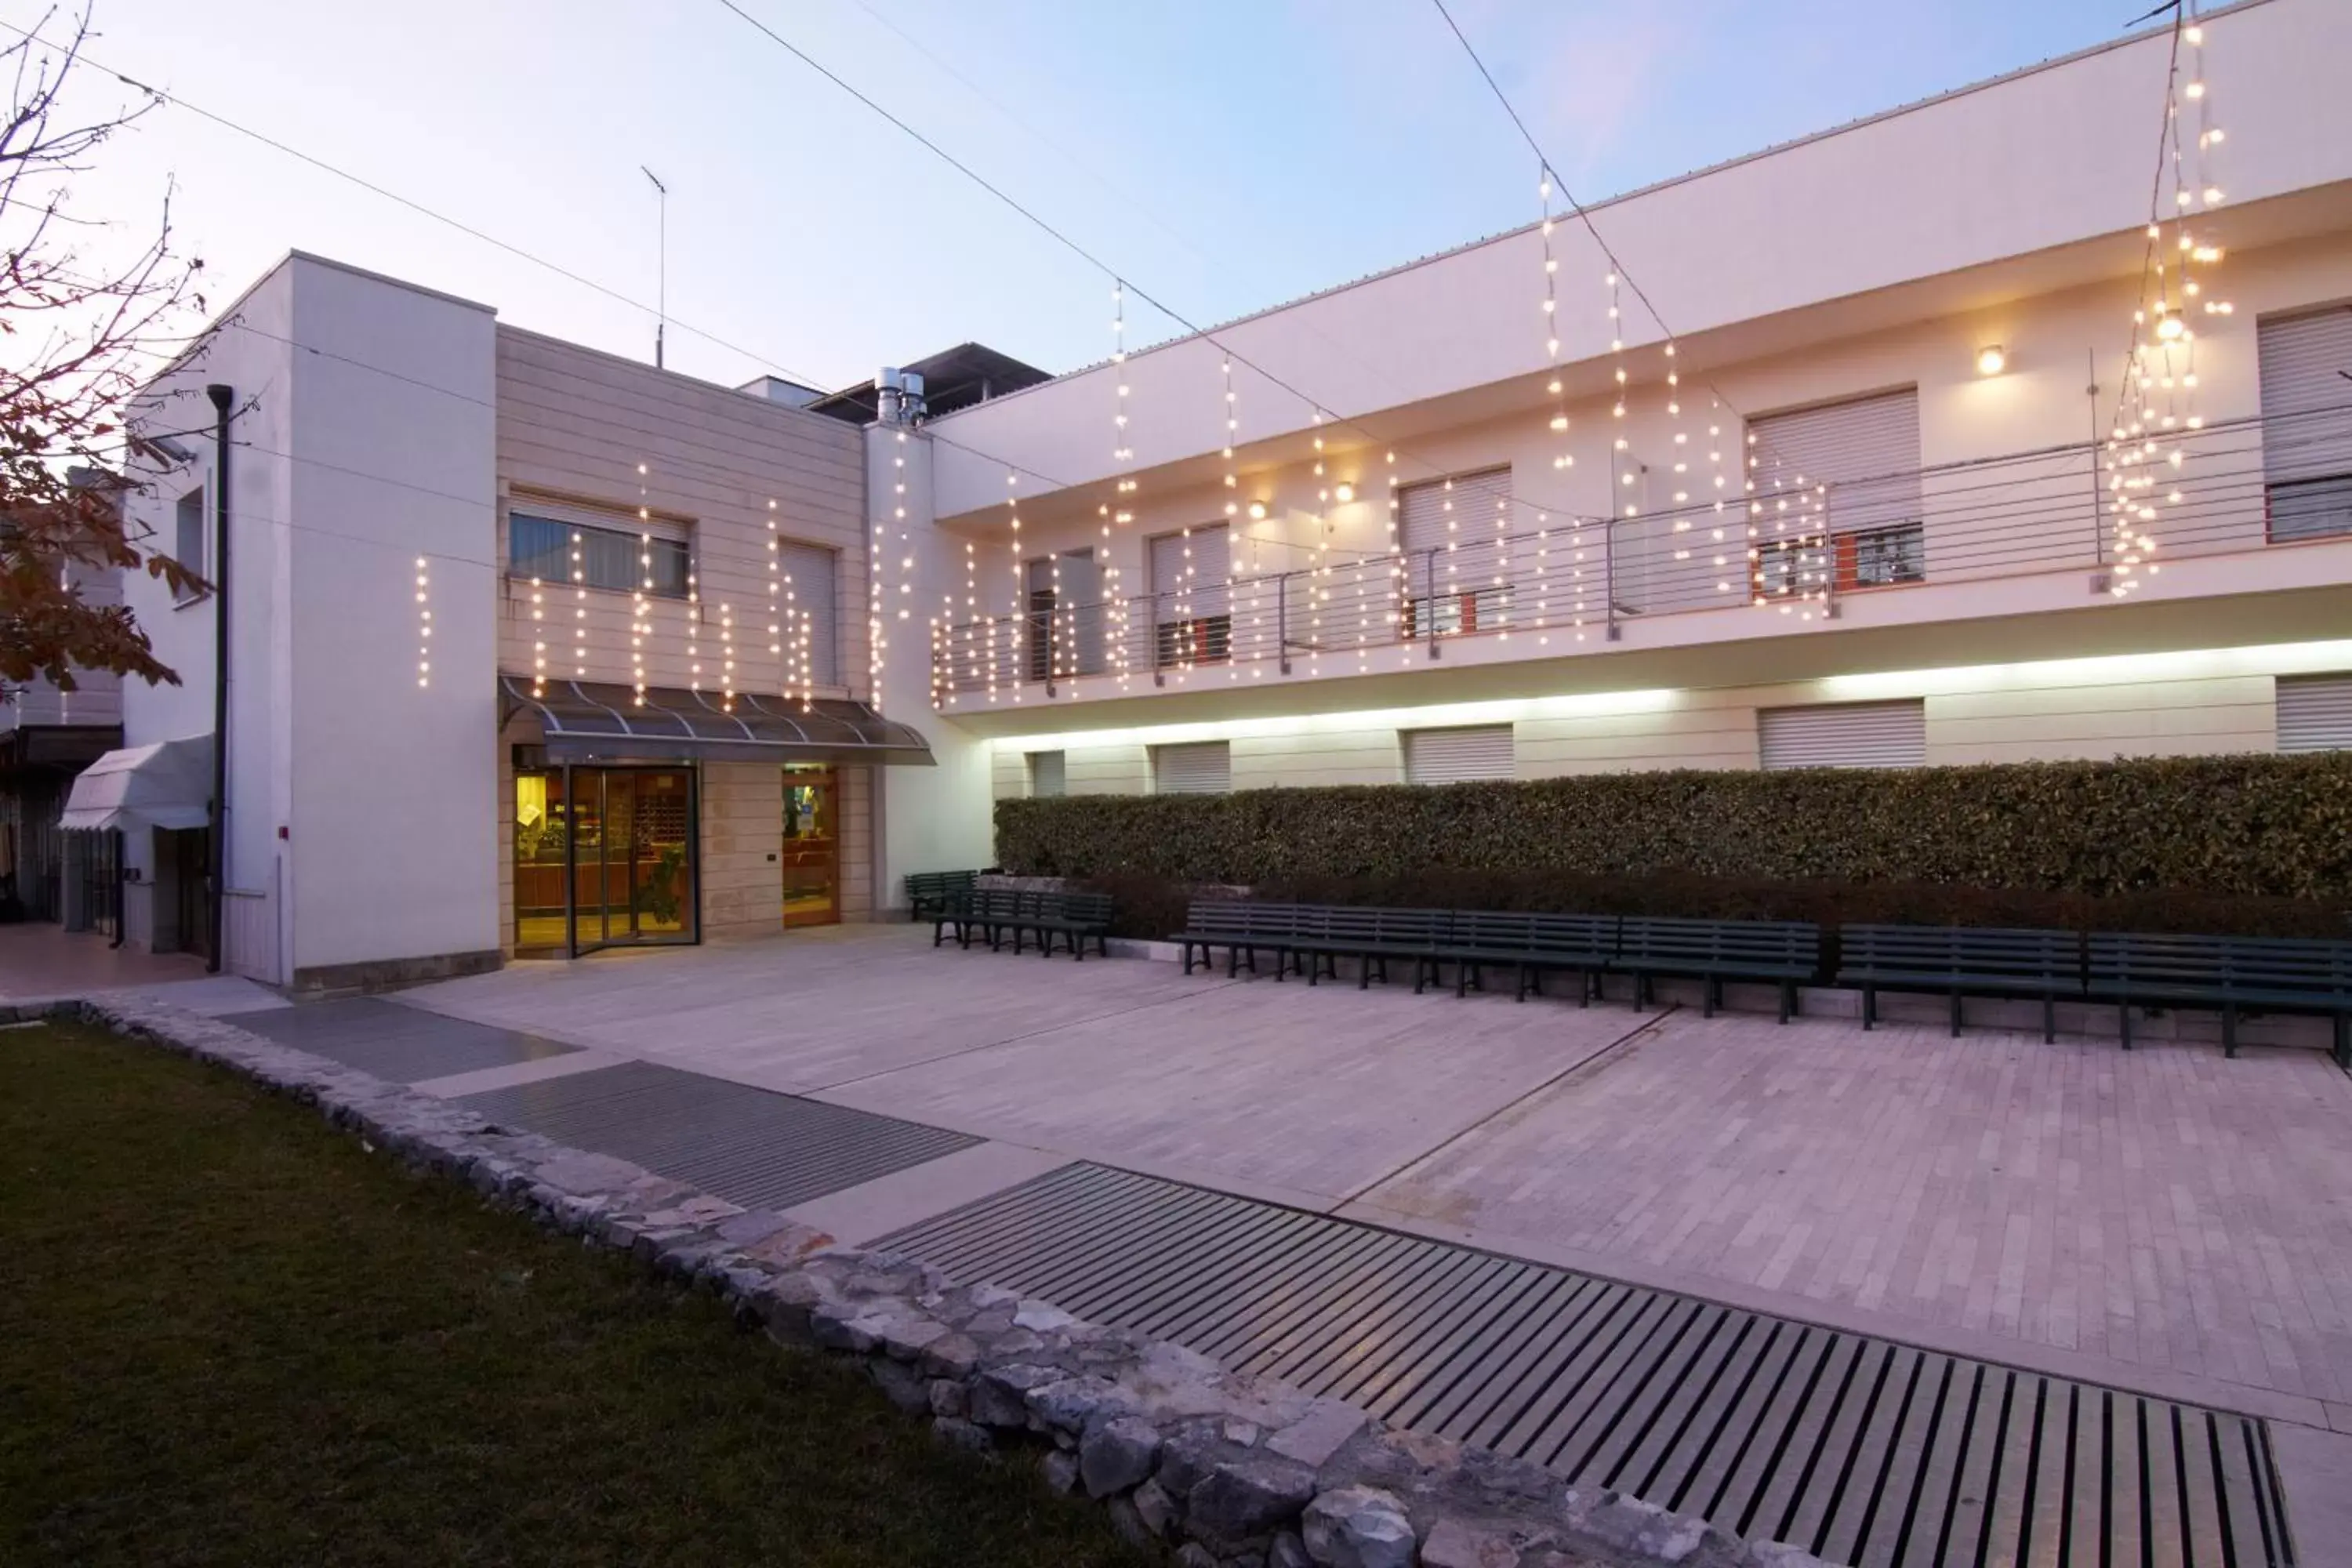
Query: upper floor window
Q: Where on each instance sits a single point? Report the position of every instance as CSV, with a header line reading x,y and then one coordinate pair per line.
x,y
660,564
190,539
1448,529
1845,735
1191,598
1064,615
1837,490
2307,422
809,571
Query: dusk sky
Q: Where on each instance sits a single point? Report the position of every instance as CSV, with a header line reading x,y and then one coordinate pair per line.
x,y
1225,155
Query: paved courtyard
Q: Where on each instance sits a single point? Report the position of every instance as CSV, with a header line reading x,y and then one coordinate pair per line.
x,y
2166,1218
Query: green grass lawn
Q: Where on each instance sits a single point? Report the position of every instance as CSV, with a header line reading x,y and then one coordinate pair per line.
x,y
228,1334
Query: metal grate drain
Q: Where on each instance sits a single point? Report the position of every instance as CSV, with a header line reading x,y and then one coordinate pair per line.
x,y
747,1145
1861,1451
398,1044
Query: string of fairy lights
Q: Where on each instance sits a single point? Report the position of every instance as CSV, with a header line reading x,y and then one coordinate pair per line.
x,y
2146,451
2157,408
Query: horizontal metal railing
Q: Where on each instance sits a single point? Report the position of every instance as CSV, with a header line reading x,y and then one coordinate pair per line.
x,y
2239,485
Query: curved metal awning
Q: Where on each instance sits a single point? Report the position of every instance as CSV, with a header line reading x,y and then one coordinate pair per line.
x,y
590,720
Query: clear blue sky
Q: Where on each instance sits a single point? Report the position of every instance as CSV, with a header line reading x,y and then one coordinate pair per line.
x,y
1227,155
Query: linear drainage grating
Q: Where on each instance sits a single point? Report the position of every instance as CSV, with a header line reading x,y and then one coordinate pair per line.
x,y
1863,1451
396,1043
747,1145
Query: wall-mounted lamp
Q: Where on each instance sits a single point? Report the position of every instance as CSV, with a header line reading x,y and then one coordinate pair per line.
x,y
1343,492
1992,360
1258,511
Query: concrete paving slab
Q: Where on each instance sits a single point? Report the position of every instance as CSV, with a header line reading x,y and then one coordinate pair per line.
x,y
485,1079
857,1215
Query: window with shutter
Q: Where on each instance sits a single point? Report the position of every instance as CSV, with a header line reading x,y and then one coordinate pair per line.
x,y
2314,712
1845,735
1046,775
1192,599
1837,488
1196,767
2306,362
1456,755
809,569
1447,529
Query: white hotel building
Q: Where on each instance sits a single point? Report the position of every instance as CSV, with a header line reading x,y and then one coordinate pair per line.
x,y
1417,561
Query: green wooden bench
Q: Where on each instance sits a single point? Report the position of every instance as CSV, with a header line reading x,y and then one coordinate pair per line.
x,y
928,892
992,914
1961,961
1528,944
1785,952
2226,974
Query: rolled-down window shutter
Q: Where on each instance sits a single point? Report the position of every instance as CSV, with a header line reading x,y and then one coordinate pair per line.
x,y
810,569
1452,756
1845,735
1461,511
1189,574
1196,767
2315,713
1046,776
1866,452
2307,422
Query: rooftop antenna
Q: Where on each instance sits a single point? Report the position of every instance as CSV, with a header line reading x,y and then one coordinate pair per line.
x,y
661,244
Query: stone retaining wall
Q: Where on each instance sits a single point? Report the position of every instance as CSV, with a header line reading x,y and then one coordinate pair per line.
x,y
1226,1470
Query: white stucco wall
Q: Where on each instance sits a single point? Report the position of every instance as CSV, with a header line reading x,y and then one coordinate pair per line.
x,y
360,802
935,818
1995,175
393,783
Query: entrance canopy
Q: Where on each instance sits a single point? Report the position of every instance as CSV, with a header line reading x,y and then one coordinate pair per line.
x,y
587,721
168,785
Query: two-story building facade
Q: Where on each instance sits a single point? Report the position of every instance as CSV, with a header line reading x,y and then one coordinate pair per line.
x,y
1866,506
531,650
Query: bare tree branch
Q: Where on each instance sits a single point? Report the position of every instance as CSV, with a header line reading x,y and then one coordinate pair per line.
x,y
79,332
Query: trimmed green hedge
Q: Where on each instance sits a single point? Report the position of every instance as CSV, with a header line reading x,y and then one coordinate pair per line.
x,y
2260,826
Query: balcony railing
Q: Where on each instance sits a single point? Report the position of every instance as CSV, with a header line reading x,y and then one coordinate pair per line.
x,y
1799,551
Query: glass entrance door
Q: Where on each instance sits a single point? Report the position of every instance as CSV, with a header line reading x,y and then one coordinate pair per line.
x,y
603,858
812,848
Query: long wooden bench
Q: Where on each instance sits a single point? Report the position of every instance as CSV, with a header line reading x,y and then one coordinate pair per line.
x,y
1961,961
1475,940
928,892
1785,952
1071,919
2227,974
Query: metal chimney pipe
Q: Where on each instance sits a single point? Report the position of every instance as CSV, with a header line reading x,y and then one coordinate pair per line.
x,y
890,396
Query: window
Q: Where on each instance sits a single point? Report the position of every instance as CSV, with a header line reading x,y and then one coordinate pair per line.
x,y
2307,422
609,558
1455,755
1065,616
1883,557
1045,775
2314,712
809,578
1845,735
1197,767
1447,529
1849,471
190,538
1192,619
